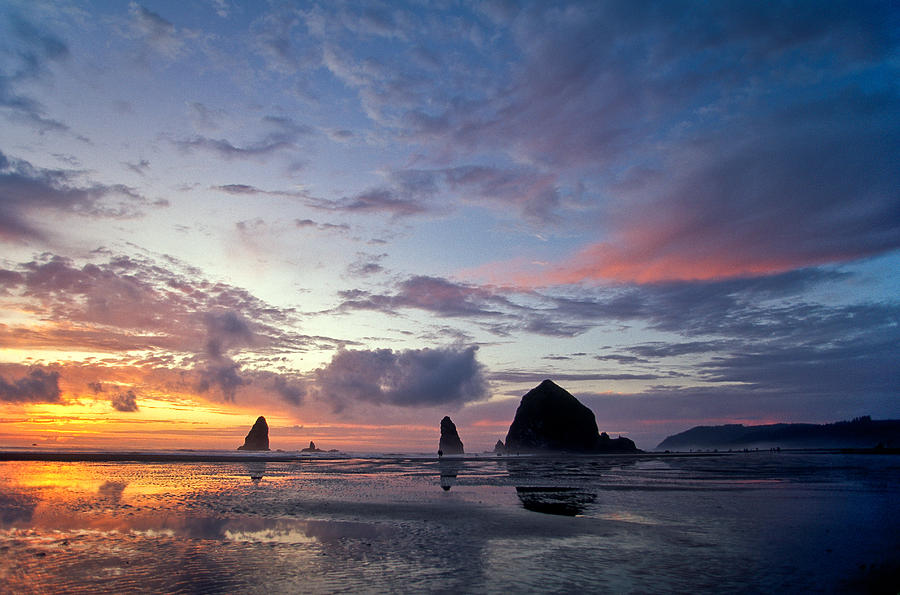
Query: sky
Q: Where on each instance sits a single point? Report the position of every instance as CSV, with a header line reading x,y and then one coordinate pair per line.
x,y
355,218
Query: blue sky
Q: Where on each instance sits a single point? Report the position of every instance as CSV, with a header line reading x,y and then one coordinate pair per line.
x,y
355,218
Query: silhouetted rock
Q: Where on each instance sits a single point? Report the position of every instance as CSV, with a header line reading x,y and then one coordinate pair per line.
x,y
450,443
549,418
258,437
311,448
499,448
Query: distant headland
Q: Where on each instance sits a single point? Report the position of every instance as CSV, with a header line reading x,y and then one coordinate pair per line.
x,y
861,432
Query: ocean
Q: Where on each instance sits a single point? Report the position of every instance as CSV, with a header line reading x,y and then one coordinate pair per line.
x,y
757,522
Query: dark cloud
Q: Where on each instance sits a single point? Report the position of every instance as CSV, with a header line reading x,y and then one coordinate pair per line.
x,y
38,386
226,331
291,392
223,373
125,402
411,378
27,193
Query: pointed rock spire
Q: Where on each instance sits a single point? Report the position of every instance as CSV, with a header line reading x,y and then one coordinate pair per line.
x,y
258,437
450,443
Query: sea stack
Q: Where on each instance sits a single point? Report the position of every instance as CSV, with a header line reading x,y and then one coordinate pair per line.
x,y
311,448
450,443
258,437
549,418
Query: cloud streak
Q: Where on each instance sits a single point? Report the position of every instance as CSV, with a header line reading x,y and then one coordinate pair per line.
x,y
29,192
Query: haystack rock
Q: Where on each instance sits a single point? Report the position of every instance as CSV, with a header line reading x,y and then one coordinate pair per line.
x,y
258,437
450,443
549,418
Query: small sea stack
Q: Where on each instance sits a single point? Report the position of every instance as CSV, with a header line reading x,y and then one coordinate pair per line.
x,y
311,448
258,437
450,443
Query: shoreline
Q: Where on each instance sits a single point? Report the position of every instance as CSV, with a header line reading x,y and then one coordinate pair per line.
x,y
284,457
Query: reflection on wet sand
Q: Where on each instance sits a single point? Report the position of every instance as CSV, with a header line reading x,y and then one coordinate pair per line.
x,y
449,468
551,500
256,470
112,490
559,485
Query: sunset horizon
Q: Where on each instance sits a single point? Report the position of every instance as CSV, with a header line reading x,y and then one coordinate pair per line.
x,y
355,219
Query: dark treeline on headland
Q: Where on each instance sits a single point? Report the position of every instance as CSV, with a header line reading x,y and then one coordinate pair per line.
x,y
861,432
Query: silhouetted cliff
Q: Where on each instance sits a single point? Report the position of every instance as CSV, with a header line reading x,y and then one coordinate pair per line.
x,y
862,432
549,418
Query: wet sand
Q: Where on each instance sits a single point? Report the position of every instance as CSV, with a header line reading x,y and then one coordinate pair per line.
x,y
747,523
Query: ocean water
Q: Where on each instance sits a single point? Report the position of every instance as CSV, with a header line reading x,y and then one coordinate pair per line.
x,y
729,523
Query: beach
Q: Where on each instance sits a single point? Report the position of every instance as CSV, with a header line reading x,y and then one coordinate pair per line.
x,y
283,523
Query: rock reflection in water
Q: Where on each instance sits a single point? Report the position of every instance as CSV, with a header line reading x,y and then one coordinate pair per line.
x,y
256,470
112,490
560,484
449,470
561,501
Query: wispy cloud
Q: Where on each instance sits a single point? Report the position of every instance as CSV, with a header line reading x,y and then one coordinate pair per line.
x,y
30,193
27,52
278,134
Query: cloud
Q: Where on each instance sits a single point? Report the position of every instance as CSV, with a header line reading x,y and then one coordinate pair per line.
x,y
376,200
433,294
283,134
410,378
27,56
759,145
290,392
307,223
155,32
248,190
125,402
140,168
129,304
38,386
30,192
366,264
276,39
